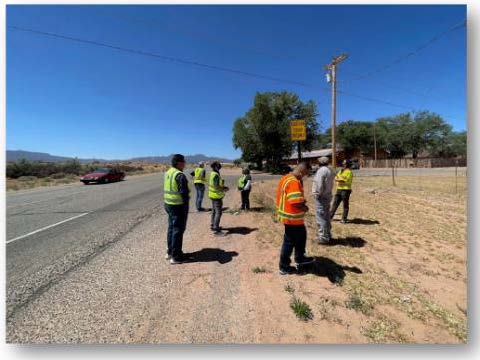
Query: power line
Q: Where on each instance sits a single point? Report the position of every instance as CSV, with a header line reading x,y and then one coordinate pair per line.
x,y
202,36
158,56
203,65
413,52
366,98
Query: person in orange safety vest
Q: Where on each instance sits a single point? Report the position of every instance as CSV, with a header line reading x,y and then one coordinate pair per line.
x,y
291,208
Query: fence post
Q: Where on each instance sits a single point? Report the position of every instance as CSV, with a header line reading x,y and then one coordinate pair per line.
x,y
456,176
393,174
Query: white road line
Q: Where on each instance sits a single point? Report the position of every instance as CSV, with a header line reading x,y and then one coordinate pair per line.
x,y
46,227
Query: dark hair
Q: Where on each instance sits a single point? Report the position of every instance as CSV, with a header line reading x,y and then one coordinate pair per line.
x,y
215,165
246,171
177,158
348,163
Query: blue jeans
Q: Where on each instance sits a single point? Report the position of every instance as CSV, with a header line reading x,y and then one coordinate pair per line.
x,y
177,223
200,189
322,214
295,237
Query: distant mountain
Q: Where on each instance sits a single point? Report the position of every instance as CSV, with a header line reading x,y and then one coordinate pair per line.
x,y
14,155
190,159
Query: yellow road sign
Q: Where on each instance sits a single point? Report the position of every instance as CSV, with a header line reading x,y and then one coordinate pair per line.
x,y
298,130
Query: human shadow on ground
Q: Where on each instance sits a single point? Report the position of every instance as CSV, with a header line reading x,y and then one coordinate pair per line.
x,y
359,221
352,241
212,254
242,230
328,268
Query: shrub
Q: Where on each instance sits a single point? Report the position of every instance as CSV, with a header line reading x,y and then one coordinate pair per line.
x,y
301,309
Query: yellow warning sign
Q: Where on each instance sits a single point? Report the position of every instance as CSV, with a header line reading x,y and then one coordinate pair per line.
x,y
298,130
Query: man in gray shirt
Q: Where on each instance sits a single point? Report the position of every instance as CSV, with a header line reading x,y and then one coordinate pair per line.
x,y
322,193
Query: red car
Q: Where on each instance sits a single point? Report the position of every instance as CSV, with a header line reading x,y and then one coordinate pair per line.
x,y
103,175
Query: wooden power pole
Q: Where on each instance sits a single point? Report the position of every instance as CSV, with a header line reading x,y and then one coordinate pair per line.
x,y
332,76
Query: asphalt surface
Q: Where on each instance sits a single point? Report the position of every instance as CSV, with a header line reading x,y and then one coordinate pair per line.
x,y
54,231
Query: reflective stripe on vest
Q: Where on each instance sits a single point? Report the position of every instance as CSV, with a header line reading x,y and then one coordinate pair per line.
x,y
214,192
241,182
196,178
282,214
171,195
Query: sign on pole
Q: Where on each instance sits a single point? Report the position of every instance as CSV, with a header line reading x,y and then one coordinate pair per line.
x,y
298,130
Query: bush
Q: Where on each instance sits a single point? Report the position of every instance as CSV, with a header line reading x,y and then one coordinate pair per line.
x,y
27,178
301,309
59,175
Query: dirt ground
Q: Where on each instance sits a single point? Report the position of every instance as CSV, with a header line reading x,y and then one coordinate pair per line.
x,y
396,273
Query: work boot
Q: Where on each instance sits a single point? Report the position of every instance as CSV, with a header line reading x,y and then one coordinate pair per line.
x,y
287,270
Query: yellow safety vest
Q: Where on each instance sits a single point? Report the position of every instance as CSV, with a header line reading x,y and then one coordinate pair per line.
x,y
241,182
196,178
171,193
347,176
215,192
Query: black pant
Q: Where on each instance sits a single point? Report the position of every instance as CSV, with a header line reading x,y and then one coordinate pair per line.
x,y
295,237
177,223
217,205
341,195
245,199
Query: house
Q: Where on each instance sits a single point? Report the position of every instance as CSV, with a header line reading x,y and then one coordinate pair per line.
x,y
312,156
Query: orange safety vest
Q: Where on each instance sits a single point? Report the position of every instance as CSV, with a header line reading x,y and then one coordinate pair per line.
x,y
290,192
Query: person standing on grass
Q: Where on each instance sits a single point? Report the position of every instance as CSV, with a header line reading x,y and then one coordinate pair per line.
x,y
322,193
291,209
176,195
199,181
216,193
245,186
343,179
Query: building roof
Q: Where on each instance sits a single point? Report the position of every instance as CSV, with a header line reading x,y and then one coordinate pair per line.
x,y
313,154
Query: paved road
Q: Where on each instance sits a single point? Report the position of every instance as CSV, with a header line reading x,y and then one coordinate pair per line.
x,y
52,231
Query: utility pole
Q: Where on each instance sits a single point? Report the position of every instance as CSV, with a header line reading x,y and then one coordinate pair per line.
x,y
375,144
332,77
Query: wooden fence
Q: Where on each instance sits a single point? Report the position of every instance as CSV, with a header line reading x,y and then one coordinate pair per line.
x,y
414,163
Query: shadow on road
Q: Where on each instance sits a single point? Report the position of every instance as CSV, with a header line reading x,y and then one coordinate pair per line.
x,y
328,268
212,254
352,241
242,230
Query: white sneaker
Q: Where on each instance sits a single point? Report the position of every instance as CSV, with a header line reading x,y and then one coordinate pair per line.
x,y
168,256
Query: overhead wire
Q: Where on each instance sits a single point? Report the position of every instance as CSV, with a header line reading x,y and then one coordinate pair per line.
x,y
411,53
204,65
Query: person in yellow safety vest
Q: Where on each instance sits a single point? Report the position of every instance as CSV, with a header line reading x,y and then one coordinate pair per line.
x,y
291,209
176,194
245,186
343,180
199,181
216,192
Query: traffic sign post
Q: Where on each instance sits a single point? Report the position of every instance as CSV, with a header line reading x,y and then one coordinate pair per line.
x,y
298,133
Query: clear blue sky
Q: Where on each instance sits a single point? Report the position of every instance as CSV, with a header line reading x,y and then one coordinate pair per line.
x,y
75,99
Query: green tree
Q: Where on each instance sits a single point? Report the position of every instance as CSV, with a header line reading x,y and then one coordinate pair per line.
x,y
263,133
356,135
